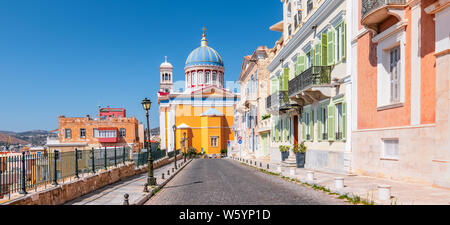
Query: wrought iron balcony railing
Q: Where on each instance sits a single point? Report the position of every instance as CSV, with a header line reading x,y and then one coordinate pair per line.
x,y
368,6
315,75
278,99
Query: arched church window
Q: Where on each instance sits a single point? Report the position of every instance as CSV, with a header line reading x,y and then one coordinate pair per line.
x,y
188,79
214,77
200,78
194,78
207,78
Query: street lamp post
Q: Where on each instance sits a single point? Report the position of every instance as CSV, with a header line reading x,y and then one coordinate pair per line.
x,y
185,152
174,145
151,180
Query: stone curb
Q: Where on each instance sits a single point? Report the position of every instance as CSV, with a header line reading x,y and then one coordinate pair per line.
x,y
145,198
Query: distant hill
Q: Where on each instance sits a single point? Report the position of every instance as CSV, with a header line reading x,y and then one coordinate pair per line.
x,y
14,141
34,137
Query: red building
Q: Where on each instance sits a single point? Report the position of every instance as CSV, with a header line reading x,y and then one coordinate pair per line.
x,y
112,112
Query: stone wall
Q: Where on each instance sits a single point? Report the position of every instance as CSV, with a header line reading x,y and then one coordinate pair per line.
x,y
63,193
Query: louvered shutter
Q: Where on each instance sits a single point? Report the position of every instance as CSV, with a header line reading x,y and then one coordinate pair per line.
x,y
301,60
344,120
324,50
317,52
331,122
330,47
319,124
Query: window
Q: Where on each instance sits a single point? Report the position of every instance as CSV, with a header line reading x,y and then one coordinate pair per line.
x,y
309,6
340,42
214,77
82,133
208,81
80,155
339,122
307,123
324,123
394,69
390,149
214,141
194,78
68,133
123,132
95,132
200,78
308,59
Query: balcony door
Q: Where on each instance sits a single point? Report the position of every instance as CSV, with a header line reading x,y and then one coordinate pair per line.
x,y
295,130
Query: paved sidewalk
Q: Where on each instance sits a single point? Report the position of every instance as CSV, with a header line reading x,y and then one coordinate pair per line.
x,y
114,194
365,187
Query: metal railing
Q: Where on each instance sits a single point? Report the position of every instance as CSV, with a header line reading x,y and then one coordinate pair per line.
x,y
28,171
277,99
368,6
315,75
141,158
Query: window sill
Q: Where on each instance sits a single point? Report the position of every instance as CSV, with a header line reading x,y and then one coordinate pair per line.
x,y
389,159
390,106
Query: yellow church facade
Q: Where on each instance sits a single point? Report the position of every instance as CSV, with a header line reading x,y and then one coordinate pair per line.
x,y
204,111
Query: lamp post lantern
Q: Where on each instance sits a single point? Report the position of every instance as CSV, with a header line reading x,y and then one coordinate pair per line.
x,y
151,180
175,145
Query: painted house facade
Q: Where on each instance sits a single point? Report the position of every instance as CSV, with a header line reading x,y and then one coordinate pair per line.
x,y
402,75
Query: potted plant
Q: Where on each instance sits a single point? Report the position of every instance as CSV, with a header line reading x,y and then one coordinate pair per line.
x,y
300,151
284,152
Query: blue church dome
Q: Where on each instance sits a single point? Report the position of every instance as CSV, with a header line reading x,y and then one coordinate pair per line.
x,y
204,56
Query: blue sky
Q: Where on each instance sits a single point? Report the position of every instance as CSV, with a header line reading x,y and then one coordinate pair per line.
x,y
67,57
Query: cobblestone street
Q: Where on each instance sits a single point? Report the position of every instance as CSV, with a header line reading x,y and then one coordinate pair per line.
x,y
226,182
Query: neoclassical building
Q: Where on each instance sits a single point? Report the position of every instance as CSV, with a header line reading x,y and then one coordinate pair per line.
x,y
203,110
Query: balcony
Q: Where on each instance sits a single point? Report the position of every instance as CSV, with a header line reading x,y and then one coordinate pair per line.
x,y
373,12
279,101
308,86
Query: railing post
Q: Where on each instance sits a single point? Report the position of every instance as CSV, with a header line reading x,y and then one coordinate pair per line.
x,y
115,156
23,185
106,165
76,163
93,160
55,175
123,155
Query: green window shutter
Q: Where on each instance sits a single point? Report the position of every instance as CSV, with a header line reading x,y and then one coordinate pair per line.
x,y
319,124
331,123
317,52
303,126
343,40
344,120
274,84
284,80
324,50
330,47
311,125
301,60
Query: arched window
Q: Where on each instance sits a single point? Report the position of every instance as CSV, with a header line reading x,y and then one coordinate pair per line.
x,y
188,79
214,77
200,77
194,78
208,81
